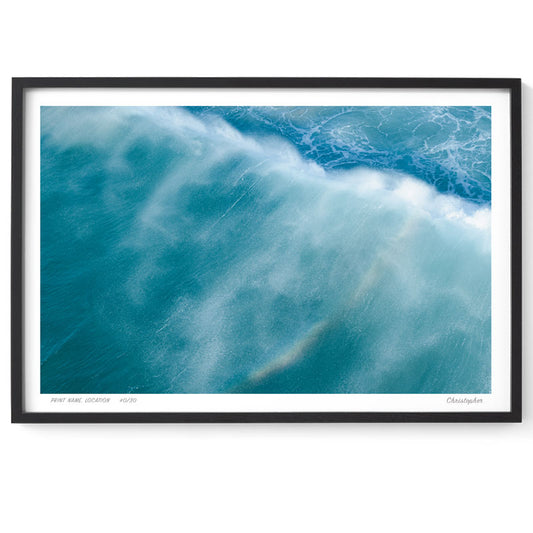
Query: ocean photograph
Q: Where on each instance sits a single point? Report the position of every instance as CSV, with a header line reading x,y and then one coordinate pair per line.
x,y
271,250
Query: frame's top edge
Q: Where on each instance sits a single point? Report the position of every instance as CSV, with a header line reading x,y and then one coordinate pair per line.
x,y
265,82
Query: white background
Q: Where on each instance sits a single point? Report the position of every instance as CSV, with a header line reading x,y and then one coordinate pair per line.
x,y
369,478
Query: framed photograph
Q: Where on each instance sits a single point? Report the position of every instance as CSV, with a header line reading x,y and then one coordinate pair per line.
x,y
266,250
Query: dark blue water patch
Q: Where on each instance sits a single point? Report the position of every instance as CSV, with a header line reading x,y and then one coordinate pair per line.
x,y
449,147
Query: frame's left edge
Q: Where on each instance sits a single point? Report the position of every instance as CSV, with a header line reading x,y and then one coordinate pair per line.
x,y
17,266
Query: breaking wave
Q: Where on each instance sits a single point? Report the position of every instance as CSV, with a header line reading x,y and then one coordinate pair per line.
x,y
181,255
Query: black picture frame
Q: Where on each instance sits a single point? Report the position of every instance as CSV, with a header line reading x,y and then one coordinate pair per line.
x,y
20,85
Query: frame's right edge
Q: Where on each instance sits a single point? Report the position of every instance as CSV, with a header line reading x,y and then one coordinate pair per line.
x,y
516,250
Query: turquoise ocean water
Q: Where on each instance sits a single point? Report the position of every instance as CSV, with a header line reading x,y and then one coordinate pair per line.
x,y
265,250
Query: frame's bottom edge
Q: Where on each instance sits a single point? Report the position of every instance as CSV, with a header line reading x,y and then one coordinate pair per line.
x,y
263,417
